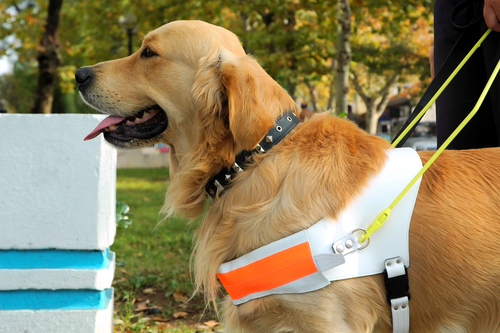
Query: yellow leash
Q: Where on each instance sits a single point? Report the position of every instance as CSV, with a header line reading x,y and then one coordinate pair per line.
x,y
384,215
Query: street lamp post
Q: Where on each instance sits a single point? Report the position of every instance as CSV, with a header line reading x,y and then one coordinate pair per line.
x,y
129,23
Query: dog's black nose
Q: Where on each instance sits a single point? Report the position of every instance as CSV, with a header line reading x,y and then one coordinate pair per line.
x,y
83,77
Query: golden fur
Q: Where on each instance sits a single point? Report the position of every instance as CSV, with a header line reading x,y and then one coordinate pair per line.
x,y
218,101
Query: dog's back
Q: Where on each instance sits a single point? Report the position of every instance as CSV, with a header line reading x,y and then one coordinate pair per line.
x,y
454,244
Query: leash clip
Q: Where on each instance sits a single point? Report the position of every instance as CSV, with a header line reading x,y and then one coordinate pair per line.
x,y
350,243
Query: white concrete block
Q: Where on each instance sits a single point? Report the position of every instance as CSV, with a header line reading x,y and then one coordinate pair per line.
x,y
60,278
98,320
56,191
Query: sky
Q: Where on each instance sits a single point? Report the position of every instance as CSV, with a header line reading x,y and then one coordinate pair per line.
x,y
5,65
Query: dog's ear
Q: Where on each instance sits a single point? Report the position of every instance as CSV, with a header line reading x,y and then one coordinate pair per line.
x,y
244,84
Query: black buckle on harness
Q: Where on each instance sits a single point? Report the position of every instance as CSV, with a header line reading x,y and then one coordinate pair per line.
x,y
397,286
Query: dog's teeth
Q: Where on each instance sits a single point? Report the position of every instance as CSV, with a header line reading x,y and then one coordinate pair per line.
x,y
112,127
129,123
137,120
145,114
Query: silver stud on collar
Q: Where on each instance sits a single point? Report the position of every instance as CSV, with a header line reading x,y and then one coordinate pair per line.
x,y
237,168
271,139
219,186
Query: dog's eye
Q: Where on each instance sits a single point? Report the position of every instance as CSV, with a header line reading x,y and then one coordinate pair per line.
x,y
147,53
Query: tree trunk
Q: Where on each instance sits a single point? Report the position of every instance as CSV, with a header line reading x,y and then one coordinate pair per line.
x,y
344,56
48,61
374,111
371,118
331,97
314,101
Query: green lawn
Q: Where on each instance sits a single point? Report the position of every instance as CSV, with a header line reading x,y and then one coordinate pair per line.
x,y
153,262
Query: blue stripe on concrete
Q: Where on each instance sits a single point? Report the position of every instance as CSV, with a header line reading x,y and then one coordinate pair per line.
x,y
75,259
55,299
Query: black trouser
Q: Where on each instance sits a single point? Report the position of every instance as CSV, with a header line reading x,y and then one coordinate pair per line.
x,y
459,98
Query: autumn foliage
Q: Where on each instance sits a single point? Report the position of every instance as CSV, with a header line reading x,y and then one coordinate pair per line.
x,y
294,40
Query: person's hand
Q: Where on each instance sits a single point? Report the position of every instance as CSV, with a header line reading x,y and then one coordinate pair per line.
x,y
491,13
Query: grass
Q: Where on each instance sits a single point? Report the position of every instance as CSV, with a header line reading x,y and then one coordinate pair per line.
x,y
152,280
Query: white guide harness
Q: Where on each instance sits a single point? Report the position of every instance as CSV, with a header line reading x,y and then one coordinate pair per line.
x,y
329,250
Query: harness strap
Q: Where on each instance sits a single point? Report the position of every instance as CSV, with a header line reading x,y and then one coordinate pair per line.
x,y
288,265
396,284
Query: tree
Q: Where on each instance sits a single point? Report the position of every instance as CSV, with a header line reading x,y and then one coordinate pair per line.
x,y
18,88
377,100
389,43
49,60
284,36
344,55
294,40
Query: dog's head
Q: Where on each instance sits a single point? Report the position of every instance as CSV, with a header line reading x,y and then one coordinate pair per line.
x,y
190,86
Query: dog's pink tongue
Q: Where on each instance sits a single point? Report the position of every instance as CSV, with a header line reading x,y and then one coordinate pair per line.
x,y
111,120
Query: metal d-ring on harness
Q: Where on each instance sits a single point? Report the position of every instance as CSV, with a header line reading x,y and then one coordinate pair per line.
x,y
396,277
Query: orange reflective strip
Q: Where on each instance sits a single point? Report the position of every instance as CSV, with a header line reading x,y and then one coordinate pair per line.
x,y
270,272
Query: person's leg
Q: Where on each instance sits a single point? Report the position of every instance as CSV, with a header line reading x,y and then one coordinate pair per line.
x,y
491,56
459,98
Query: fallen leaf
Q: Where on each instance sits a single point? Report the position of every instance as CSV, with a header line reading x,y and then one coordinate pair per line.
x,y
141,306
160,319
178,315
148,291
202,327
179,297
117,321
211,323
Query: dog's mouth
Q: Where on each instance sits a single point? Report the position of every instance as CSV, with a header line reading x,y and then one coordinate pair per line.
x,y
145,124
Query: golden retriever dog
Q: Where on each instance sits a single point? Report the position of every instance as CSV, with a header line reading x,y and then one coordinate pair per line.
x,y
192,86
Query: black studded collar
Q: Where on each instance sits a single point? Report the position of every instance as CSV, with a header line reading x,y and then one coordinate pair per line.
x,y
282,126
